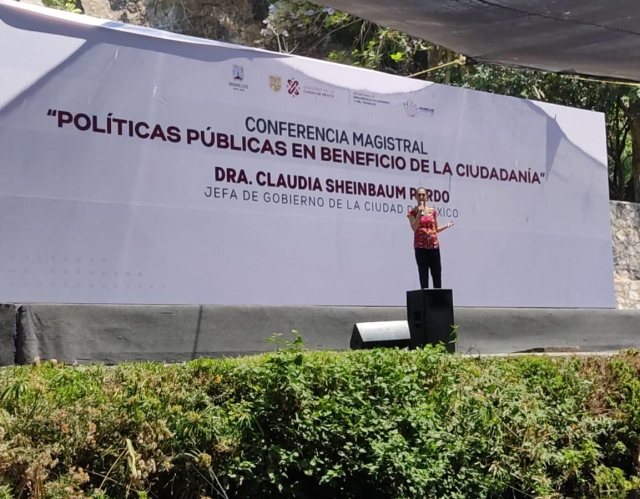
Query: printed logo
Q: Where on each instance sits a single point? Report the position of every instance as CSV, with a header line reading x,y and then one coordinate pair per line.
x,y
238,73
237,79
275,83
411,109
295,89
414,110
292,87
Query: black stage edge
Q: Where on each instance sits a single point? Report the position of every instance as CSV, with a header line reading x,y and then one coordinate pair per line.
x,y
117,333
8,324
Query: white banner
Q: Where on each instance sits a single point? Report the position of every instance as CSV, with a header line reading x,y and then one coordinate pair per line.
x,y
138,166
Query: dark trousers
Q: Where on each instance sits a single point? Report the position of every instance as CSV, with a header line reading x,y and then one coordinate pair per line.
x,y
429,259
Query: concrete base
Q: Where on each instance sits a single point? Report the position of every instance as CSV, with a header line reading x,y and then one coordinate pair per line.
x,y
507,330
109,333
117,333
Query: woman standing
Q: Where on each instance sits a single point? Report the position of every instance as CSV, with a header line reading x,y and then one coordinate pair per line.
x,y
424,223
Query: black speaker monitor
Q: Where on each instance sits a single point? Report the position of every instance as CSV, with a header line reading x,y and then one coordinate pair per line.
x,y
430,318
386,334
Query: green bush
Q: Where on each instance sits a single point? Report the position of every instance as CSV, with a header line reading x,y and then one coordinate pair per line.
x,y
68,5
296,424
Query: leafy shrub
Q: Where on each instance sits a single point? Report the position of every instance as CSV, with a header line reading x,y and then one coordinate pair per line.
x,y
298,424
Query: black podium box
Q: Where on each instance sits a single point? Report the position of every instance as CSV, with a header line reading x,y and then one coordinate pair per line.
x,y
430,318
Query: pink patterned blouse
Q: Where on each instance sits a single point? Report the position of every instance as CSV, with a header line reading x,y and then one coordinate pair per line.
x,y
425,236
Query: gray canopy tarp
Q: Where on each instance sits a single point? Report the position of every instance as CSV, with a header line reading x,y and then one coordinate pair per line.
x,y
589,37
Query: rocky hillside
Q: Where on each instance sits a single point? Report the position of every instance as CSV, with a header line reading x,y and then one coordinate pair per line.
x,y
235,21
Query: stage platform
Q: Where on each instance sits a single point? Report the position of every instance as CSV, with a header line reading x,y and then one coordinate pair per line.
x,y
117,333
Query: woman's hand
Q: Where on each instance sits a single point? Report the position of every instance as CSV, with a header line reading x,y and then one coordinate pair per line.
x,y
414,220
440,228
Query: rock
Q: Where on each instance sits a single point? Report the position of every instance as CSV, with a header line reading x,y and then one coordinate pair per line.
x,y
235,21
625,232
116,10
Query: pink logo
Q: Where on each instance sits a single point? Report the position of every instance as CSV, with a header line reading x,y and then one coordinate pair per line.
x,y
292,87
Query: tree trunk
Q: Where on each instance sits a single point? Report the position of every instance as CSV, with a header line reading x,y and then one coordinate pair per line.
x,y
635,164
621,183
447,76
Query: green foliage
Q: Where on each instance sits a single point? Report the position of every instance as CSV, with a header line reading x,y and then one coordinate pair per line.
x,y
298,424
291,345
68,5
307,29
